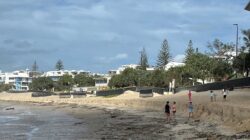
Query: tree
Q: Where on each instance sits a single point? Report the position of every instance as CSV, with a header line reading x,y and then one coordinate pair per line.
x,y
143,59
116,81
246,38
34,71
143,78
83,80
189,51
4,87
65,82
129,77
164,55
199,66
220,49
59,65
180,75
242,63
34,67
220,69
41,84
157,78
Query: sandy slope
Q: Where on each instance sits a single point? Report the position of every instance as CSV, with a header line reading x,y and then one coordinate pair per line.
x,y
235,112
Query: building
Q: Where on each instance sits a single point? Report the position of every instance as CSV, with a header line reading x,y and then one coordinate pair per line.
x,y
55,75
19,80
102,82
173,64
122,68
150,69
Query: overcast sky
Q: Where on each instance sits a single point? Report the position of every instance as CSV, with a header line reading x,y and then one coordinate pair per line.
x,y
99,35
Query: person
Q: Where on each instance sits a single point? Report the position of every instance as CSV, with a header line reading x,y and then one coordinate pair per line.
x,y
190,110
167,111
211,95
174,109
190,96
215,96
224,92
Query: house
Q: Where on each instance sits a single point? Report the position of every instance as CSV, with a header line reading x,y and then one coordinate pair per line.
x,y
122,68
102,83
55,75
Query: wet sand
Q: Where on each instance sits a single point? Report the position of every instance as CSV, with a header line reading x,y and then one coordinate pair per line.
x,y
49,121
26,121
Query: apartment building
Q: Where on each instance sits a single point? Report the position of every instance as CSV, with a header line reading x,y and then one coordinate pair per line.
x,y
19,80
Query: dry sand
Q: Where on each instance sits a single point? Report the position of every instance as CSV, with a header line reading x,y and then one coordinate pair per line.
x,y
229,117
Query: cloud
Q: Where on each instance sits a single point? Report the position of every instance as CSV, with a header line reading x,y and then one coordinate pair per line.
x,y
179,58
90,34
121,56
111,59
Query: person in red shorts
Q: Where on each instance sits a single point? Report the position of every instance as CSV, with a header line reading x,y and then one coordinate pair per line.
x,y
174,109
190,96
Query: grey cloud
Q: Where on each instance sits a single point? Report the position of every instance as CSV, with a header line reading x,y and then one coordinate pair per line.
x,y
81,31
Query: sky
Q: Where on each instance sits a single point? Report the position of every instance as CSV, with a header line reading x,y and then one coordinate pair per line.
x,y
100,35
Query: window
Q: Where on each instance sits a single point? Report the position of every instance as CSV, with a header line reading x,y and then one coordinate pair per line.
x,y
11,78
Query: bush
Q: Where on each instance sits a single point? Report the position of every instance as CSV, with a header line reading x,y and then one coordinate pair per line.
x,y
41,84
5,87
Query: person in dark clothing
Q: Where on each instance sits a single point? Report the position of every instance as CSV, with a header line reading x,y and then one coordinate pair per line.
x,y
167,111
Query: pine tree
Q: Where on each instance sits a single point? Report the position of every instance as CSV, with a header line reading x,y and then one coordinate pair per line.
x,y
189,51
143,59
59,65
34,67
164,55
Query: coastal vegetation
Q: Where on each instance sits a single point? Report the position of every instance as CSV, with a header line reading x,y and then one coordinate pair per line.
x,y
59,65
5,87
216,64
64,83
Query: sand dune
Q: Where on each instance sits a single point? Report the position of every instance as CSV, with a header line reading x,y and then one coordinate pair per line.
x,y
235,112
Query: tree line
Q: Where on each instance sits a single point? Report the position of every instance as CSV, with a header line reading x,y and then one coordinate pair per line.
x,y
64,83
216,64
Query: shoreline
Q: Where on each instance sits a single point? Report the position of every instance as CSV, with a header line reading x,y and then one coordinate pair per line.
x,y
223,114
112,123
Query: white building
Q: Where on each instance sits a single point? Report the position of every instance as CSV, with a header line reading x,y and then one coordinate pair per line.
x,y
102,83
227,56
173,64
55,75
150,69
122,68
19,80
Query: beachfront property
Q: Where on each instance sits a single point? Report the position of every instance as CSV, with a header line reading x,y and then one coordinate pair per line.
x,y
55,75
135,66
173,64
102,82
19,80
122,68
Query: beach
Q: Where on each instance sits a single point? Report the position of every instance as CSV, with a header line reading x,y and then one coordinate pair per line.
x,y
127,117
